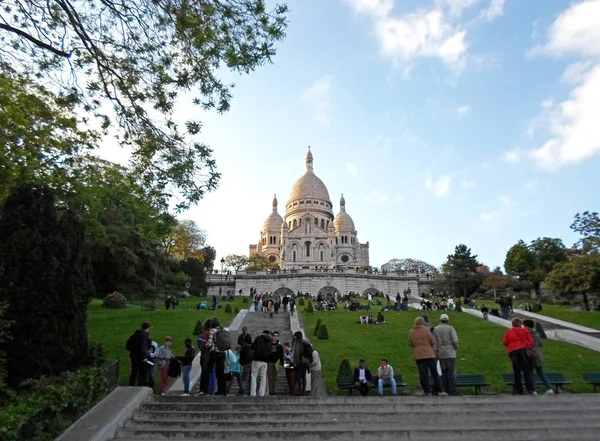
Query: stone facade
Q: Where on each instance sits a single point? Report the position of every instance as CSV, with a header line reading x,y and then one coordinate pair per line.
x,y
310,236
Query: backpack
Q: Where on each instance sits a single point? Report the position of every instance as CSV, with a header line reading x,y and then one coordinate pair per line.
x,y
261,351
307,352
223,340
129,345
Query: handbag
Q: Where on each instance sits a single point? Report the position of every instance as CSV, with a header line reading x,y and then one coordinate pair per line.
x,y
528,351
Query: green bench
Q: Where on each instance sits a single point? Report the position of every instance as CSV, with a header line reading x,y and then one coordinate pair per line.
x,y
347,383
556,379
467,380
592,378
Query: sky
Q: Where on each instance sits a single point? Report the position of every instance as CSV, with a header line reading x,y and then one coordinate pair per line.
x,y
441,121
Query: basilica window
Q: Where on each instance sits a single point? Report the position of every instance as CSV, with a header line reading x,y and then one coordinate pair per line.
x,y
327,224
345,258
309,202
322,256
290,226
272,259
322,223
316,222
336,241
295,224
301,202
307,245
293,256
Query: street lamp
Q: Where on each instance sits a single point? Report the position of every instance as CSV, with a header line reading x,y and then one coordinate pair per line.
x,y
221,285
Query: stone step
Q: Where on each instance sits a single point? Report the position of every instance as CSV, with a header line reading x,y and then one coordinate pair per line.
x,y
407,422
517,431
370,415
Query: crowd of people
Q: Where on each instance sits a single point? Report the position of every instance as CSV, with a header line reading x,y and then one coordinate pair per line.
x,y
253,363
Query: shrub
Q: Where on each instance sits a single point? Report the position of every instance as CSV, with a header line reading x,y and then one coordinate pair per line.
x,y
199,328
115,300
458,306
236,310
344,370
322,334
317,327
309,307
228,308
245,300
301,301
50,405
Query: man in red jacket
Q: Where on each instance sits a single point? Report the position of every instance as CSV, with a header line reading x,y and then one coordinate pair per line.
x,y
517,340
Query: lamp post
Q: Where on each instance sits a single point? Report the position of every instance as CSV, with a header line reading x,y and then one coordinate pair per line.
x,y
221,284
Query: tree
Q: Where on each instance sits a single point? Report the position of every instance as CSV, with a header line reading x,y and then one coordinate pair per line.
x,y
548,252
579,275
495,281
409,266
46,281
138,57
186,240
461,268
520,260
588,225
236,261
258,262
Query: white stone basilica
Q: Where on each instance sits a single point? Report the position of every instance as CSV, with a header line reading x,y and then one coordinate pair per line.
x,y
310,236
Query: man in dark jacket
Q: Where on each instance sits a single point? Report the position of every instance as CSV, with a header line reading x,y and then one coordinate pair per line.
x,y
244,337
302,360
262,350
275,356
137,345
362,378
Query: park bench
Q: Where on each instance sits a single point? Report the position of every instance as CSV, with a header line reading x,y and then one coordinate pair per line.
x,y
592,378
347,383
467,380
556,379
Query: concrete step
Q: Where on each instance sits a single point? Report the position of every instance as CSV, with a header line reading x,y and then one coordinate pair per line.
x,y
370,415
519,432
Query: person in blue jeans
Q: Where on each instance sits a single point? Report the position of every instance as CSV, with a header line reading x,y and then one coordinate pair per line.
x,y
385,373
538,356
186,365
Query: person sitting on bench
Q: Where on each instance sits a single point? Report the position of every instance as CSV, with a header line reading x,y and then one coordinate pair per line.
x,y
362,378
385,373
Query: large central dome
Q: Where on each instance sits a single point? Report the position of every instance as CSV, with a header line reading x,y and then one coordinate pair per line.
x,y
309,185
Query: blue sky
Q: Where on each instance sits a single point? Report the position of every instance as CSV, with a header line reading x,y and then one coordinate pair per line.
x,y
441,121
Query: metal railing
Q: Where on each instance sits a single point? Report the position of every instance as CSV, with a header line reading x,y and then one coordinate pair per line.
x,y
111,372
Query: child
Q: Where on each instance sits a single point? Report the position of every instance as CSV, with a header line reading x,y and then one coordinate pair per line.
x,y
186,365
163,357
234,369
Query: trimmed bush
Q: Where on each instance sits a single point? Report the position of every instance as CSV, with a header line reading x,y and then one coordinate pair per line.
x,y
344,370
309,307
199,328
245,300
322,333
317,326
115,300
301,301
236,310
228,308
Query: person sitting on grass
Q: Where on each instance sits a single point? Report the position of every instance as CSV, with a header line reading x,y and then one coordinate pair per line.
x,y
363,319
362,378
385,373
485,311
380,319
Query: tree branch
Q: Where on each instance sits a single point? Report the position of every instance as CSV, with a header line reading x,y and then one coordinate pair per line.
x,y
35,40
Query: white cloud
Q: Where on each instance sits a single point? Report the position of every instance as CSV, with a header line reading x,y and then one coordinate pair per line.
x,y
506,200
351,168
441,187
378,197
463,110
320,96
468,184
488,217
512,156
494,10
572,125
457,7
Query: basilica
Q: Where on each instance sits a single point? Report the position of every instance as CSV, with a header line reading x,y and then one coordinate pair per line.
x,y
310,235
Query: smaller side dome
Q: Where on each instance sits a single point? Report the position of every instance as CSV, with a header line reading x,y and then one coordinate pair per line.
x,y
274,221
343,222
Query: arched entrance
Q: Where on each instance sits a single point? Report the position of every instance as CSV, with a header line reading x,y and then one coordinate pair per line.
x,y
373,291
328,290
283,291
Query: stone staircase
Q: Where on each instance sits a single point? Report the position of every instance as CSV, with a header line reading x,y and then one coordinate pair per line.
x,y
502,417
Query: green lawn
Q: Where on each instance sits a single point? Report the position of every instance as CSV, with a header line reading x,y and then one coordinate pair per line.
x,y
481,350
573,314
112,327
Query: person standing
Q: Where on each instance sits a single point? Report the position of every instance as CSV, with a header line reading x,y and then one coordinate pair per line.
x,y
517,340
421,340
317,388
446,346
302,359
204,353
216,354
275,357
244,337
362,378
385,375
137,345
538,356
288,364
262,350
163,358
152,353
234,369
186,365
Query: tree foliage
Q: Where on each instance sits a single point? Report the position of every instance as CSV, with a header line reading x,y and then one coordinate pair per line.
x,y
548,253
408,266
579,275
587,225
186,240
139,58
461,270
520,260
258,262
236,261
46,280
